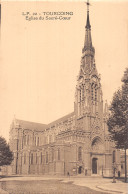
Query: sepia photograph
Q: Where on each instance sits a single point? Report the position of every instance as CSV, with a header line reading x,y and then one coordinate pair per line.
x,y
63,97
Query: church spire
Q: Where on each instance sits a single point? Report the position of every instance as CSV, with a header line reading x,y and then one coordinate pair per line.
x,y
88,26
88,39
88,90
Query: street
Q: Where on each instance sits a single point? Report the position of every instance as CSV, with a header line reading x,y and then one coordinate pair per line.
x,y
44,187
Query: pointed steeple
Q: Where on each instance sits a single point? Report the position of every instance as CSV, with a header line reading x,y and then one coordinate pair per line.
x,y
88,26
88,99
88,39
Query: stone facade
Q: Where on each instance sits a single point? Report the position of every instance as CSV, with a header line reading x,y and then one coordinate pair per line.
x,y
78,143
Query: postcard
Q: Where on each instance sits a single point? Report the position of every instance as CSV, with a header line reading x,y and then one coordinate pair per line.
x,y
61,63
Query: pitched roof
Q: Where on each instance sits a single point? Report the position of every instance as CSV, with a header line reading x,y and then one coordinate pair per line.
x,y
62,119
39,126
31,125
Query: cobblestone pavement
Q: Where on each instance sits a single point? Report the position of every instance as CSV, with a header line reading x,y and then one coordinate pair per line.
x,y
61,185
44,187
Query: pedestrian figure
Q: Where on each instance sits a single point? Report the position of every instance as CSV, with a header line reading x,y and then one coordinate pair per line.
x,y
68,174
118,174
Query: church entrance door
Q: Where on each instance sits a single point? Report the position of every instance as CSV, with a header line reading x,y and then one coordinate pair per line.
x,y
80,170
94,166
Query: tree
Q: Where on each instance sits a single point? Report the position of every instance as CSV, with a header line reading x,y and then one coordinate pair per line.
x,y
6,156
118,118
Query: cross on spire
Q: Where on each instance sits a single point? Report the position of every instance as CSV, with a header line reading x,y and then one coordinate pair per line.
x,y
88,39
88,26
88,4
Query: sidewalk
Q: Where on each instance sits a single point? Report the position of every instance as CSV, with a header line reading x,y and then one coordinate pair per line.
x,y
117,187
3,192
101,184
96,183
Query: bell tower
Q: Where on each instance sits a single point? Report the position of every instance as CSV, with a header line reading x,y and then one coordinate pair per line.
x,y
88,96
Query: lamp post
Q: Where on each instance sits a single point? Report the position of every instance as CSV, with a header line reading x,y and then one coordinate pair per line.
x,y
114,170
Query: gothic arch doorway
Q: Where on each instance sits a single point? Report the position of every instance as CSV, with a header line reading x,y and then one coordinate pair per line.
x,y
94,165
97,145
80,170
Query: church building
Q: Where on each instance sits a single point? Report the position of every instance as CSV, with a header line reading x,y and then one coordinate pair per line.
x,y
78,143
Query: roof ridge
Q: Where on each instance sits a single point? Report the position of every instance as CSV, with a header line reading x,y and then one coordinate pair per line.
x,y
30,121
61,118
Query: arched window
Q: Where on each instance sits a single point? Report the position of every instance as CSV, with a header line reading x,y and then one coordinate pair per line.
x,y
31,158
52,155
36,158
38,142
58,153
35,141
46,157
21,159
25,140
80,153
95,92
24,158
92,92
41,157
28,140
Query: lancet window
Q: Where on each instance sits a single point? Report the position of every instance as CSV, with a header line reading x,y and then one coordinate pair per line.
x,y
38,141
36,158
52,155
83,93
41,157
46,157
31,158
24,158
28,140
58,153
80,153
94,92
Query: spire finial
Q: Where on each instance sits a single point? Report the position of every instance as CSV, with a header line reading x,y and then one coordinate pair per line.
x,y
88,4
88,39
88,22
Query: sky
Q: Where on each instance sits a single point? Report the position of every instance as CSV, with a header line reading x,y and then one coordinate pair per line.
x,y
40,59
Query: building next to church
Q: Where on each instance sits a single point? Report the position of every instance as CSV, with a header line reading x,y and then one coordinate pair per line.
x,y
78,143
